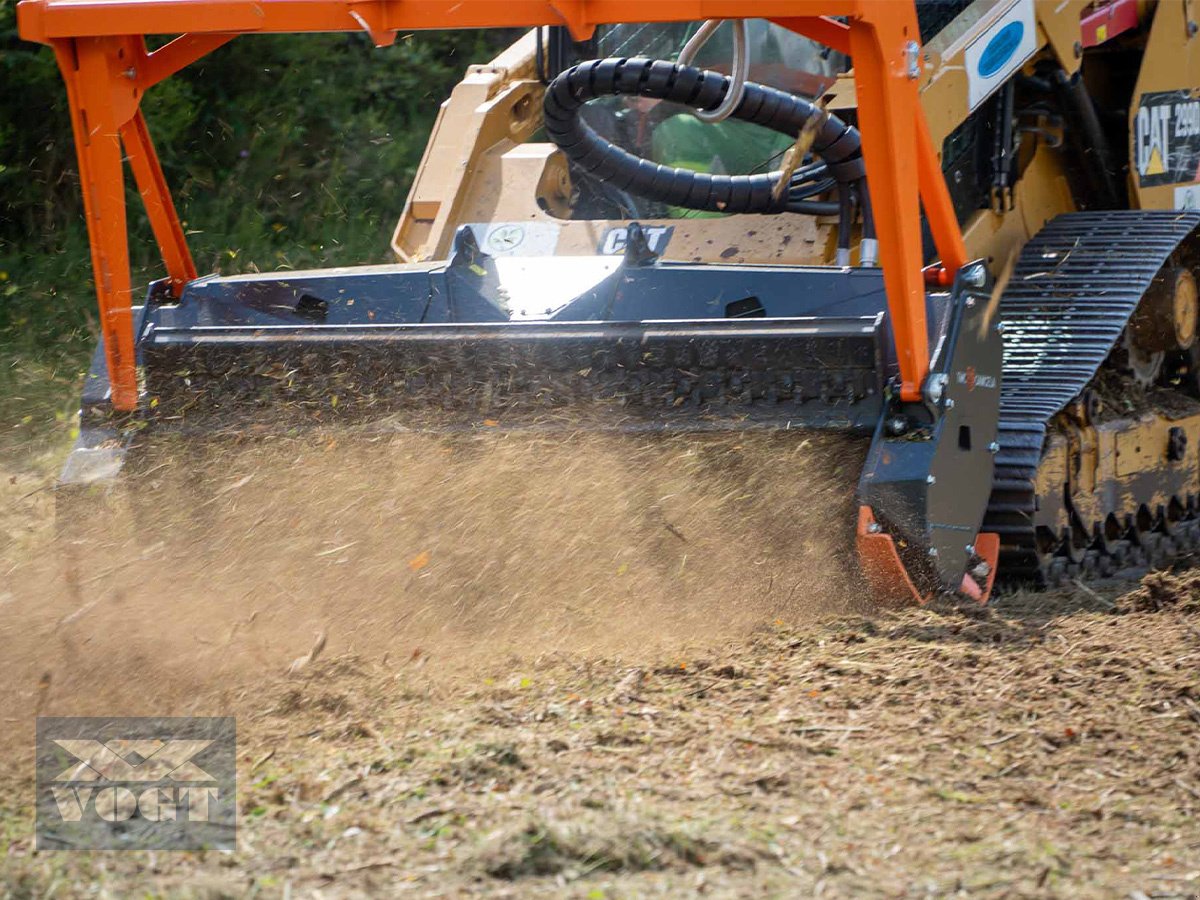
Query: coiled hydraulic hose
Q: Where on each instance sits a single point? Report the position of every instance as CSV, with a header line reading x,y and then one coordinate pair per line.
x,y
836,144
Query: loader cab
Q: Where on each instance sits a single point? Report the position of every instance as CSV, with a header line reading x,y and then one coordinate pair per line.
x,y
523,197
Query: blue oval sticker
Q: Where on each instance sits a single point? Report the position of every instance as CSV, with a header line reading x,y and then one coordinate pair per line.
x,y
1001,48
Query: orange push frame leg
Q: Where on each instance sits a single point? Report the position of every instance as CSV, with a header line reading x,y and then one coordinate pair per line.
x,y
884,49
96,122
105,79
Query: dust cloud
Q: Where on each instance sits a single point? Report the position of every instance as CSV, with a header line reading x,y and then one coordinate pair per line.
x,y
221,564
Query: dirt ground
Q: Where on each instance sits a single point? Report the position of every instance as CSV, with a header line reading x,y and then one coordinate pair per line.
x,y
591,668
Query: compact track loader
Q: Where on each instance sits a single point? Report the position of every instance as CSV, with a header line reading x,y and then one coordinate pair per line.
x,y
964,234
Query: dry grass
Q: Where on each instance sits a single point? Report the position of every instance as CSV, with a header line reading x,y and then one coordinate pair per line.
x,y
526,691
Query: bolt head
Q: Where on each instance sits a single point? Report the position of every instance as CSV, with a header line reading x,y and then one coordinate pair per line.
x,y
874,528
933,551
970,548
930,479
949,403
993,447
935,387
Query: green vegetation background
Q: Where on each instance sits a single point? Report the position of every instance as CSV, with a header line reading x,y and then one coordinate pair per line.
x,y
282,152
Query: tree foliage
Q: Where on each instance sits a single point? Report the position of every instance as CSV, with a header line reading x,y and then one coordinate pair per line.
x,y
282,151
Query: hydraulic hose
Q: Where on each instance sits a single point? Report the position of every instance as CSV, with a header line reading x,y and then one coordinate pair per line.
x,y
740,68
836,144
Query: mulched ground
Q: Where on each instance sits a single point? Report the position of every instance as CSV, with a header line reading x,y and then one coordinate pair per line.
x,y
1049,746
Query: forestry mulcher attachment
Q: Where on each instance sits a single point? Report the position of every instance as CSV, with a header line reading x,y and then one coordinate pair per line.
x,y
962,233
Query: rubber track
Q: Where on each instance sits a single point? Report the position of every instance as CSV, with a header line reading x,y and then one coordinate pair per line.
x,y
1073,290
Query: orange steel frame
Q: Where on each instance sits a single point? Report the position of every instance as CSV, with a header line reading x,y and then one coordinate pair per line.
x,y
101,50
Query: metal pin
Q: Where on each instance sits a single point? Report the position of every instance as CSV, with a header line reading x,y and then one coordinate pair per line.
x,y
912,53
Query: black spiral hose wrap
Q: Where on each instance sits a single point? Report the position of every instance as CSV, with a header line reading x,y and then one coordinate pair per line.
x,y
836,143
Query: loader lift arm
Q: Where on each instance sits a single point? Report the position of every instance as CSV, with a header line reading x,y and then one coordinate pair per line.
x,y
101,50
